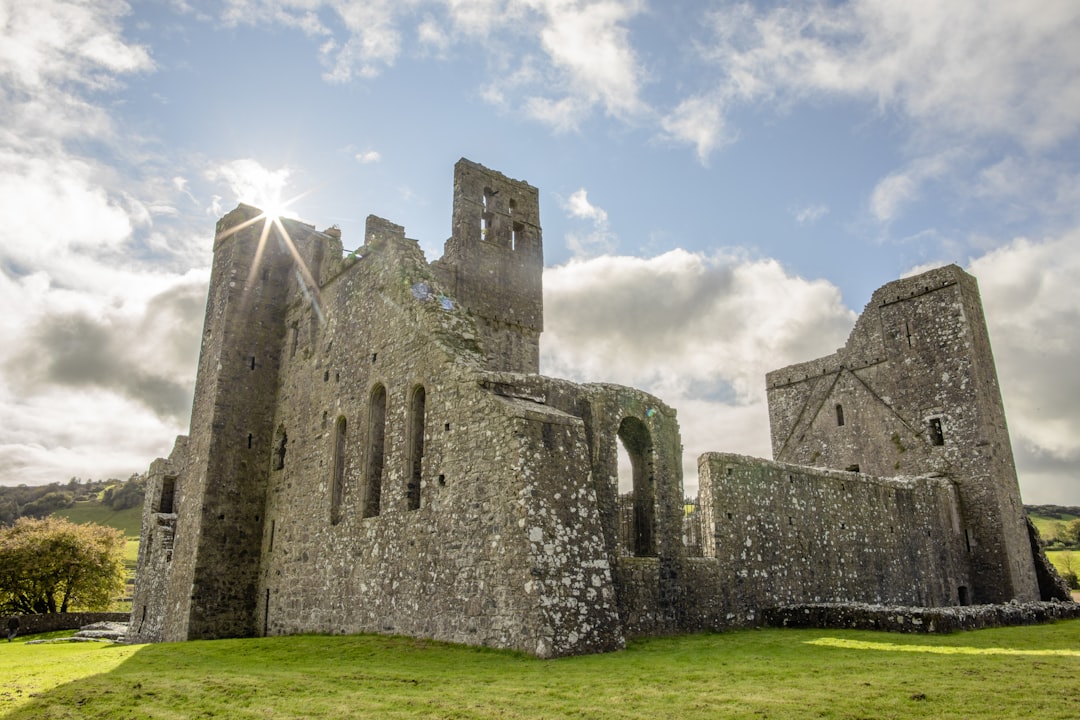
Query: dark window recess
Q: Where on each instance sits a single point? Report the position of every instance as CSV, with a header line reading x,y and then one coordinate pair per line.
x,y
962,595
168,493
252,362
442,481
851,468
937,435
337,377
250,439
376,451
279,449
326,376
416,446
374,357
273,527
447,427
839,415
337,485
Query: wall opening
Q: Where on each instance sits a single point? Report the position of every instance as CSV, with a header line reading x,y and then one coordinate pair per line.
x,y
337,485
376,451
168,494
962,595
416,446
280,441
937,435
637,494
266,614
839,415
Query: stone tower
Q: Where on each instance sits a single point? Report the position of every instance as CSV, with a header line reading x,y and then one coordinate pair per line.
x,y
221,495
493,264
914,391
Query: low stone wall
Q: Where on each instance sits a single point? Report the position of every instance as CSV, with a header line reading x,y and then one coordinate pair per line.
x,y
34,624
917,619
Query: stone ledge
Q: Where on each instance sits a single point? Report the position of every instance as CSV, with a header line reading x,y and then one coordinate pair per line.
x,y
917,619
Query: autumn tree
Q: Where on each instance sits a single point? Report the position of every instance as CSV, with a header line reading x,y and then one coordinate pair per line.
x,y
53,565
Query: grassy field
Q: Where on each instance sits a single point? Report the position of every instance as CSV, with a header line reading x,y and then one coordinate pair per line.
x,y
1030,672
127,521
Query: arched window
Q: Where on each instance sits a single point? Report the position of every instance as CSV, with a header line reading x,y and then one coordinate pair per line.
x,y
376,451
416,446
637,508
839,415
337,484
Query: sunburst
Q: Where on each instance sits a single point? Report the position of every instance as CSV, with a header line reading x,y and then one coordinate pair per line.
x,y
273,210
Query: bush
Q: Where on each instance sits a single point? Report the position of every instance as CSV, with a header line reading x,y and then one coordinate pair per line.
x,y
1071,580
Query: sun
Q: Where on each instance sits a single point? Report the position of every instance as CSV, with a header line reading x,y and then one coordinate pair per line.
x,y
263,189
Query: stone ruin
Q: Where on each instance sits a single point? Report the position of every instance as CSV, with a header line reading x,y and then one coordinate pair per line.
x,y
372,449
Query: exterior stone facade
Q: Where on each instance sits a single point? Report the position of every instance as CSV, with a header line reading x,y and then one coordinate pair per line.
x,y
372,450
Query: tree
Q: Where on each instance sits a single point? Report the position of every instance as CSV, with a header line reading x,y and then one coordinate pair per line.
x,y
1072,533
53,565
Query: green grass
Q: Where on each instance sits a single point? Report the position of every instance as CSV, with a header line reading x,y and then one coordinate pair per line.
x,y
1002,673
127,521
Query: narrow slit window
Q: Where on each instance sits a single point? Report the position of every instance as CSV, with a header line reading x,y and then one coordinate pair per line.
x,y
252,362
279,449
337,484
416,446
376,451
168,494
839,415
937,435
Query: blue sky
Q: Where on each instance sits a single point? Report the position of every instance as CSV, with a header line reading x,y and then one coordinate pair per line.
x,y
722,187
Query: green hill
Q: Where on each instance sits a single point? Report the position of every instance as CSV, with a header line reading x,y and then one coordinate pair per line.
x,y
126,521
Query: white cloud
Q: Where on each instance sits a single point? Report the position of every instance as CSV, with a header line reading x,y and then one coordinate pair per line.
x,y
698,121
599,239
810,214
583,46
698,331
369,156
252,183
902,187
968,66
1032,304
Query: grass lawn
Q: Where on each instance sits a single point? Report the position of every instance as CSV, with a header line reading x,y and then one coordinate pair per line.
x,y
1028,672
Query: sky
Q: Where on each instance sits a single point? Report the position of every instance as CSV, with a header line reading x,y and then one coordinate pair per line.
x,y
722,187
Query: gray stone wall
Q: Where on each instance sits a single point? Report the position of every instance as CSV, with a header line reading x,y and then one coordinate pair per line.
x,y
785,534
914,391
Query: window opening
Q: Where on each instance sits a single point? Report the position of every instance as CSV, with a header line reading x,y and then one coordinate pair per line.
x,y
326,376
962,595
266,614
294,339
273,527
377,448
168,494
636,491
516,235
337,485
839,415
279,449
252,362
416,445
251,438
937,435
908,334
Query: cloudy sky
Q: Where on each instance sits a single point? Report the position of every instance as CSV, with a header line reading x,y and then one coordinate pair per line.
x,y
722,186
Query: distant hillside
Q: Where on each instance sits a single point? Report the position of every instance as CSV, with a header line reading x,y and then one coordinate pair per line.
x,y
127,521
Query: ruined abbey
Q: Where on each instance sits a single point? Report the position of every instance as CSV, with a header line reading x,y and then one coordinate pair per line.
x,y
372,449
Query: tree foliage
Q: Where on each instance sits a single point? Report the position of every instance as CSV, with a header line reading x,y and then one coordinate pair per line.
x,y
53,565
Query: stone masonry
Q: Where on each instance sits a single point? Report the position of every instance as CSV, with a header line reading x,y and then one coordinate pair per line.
x,y
372,450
